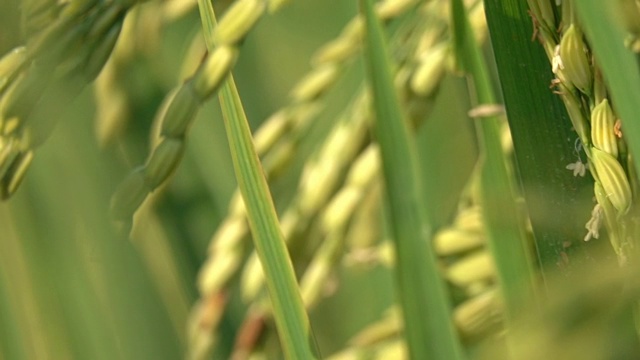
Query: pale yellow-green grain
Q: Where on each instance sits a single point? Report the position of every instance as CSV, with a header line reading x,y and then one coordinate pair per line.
x,y
479,314
429,72
452,241
390,8
602,128
10,63
215,69
613,179
14,176
475,267
315,83
573,52
238,20
273,129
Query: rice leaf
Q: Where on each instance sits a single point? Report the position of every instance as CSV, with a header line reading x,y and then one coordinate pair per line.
x,y
425,304
506,229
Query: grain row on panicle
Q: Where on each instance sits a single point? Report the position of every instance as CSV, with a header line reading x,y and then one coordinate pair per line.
x,y
458,246
580,85
334,218
322,178
180,108
39,80
467,265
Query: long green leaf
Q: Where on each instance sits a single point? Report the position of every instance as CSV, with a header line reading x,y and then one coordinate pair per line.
x,y
425,304
507,238
543,142
291,320
288,310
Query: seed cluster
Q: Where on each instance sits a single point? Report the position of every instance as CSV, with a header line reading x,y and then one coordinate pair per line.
x,y
67,46
592,112
180,108
462,250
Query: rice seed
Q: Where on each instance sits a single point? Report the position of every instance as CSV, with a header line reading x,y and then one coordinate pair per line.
x,y
471,268
388,9
13,176
252,278
389,326
340,209
320,177
335,218
453,241
613,179
238,20
182,109
275,5
602,128
9,151
279,158
315,83
354,29
216,67
543,13
335,51
365,228
163,161
17,102
112,104
101,53
271,131
430,70
10,63
316,278
478,315
470,220
577,68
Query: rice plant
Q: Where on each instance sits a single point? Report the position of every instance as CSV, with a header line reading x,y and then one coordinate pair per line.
x,y
371,179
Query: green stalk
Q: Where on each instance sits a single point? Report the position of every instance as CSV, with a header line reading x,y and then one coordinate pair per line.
x,y
507,236
288,310
425,304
